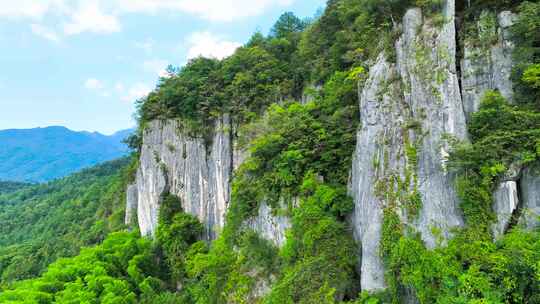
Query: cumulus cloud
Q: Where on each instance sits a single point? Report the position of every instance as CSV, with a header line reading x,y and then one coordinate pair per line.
x,y
93,84
24,8
89,17
44,32
103,16
136,91
208,45
214,10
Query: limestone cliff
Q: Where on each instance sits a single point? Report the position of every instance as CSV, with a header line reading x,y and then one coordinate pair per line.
x,y
407,108
488,66
198,172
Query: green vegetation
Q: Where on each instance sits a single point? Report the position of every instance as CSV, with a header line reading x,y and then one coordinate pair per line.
x,y
526,33
503,136
41,223
121,270
9,187
472,268
290,144
299,162
467,270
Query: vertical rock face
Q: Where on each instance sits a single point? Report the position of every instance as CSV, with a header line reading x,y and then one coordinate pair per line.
x,y
488,67
530,194
198,174
131,204
379,135
427,64
505,203
407,109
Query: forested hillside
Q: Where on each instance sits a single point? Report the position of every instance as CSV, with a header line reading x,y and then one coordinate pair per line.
x,y
43,222
318,164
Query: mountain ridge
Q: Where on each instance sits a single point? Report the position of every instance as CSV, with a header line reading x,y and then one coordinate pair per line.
x,y
46,153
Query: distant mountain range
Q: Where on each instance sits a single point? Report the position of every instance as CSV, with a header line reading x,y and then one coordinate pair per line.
x,y
43,154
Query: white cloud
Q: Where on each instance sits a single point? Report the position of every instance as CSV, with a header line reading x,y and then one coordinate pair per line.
x,y
24,8
105,20
44,32
157,66
93,84
209,45
214,10
103,16
89,17
137,91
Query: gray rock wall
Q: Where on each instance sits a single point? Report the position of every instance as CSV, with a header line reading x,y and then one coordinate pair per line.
x,y
488,67
198,174
505,203
380,135
427,65
530,194
184,166
410,105
269,226
131,204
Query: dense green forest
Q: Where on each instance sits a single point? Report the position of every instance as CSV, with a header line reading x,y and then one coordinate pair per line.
x,y
297,149
43,222
8,187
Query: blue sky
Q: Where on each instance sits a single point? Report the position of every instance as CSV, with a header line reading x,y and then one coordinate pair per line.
x,y
82,63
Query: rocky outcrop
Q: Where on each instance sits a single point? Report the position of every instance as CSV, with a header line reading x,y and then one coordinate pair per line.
x,y
199,173
505,203
381,120
435,102
269,226
530,195
517,200
131,204
407,109
487,65
487,60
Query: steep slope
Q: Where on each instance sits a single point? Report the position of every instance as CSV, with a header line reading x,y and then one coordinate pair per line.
x,y
42,154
